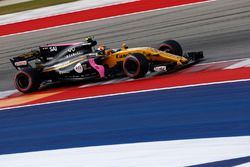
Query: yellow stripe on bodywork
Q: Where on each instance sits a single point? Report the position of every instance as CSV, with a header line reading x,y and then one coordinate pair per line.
x,y
63,65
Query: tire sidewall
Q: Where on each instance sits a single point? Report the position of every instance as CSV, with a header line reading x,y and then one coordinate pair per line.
x,y
134,59
141,62
33,81
173,45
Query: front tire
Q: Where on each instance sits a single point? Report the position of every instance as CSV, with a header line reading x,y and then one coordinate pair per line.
x,y
171,46
135,65
27,80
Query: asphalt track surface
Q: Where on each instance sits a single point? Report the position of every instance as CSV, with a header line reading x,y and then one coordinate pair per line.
x,y
219,28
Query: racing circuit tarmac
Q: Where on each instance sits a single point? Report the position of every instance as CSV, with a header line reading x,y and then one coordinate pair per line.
x,y
219,28
154,127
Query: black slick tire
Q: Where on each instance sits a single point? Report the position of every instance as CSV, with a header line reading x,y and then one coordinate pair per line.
x,y
27,80
171,46
135,65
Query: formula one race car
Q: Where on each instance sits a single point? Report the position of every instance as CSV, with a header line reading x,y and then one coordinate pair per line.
x,y
56,62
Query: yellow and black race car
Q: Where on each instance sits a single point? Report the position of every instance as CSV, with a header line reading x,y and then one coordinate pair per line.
x,y
55,62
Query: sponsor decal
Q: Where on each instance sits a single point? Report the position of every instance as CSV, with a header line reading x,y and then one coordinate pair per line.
x,y
53,49
160,68
73,49
118,56
78,68
74,54
21,63
86,67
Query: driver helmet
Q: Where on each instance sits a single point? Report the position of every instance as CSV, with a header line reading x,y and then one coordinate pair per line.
x,y
101,50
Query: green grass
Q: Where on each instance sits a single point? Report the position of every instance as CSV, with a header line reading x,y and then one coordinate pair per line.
x,y
34,4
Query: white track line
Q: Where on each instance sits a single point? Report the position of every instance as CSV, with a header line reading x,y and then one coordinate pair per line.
x,y
112,17
245,63
222,61
11,2
130,92
4,94
58,10
184,152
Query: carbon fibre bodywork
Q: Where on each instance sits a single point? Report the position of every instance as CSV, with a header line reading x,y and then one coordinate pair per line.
x,y
81,60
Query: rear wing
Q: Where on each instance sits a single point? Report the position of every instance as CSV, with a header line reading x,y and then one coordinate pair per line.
x,y
23,60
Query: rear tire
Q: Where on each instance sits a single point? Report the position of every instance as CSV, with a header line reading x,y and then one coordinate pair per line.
x,y
171,46
27,80
135,65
